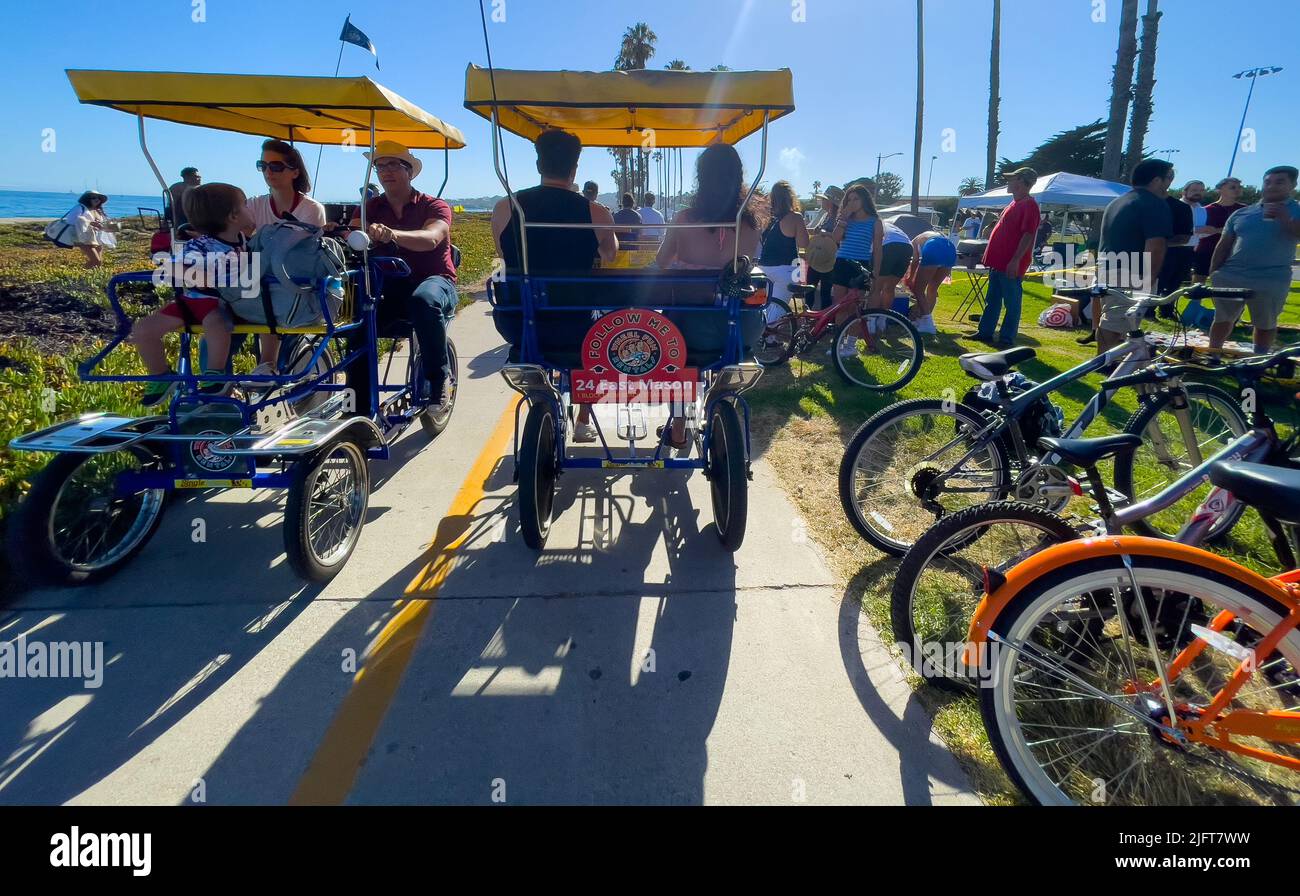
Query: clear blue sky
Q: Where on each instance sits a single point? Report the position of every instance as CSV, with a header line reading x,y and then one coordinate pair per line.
x,y
854,66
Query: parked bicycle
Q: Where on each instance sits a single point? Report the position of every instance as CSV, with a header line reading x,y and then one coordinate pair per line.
x,y
946,573
875,348
918,461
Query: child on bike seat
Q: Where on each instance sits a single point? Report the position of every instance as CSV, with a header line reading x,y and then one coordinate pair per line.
x,y
220,214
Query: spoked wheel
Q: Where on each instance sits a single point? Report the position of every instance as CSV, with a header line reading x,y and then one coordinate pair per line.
x,y
1212,419
295,358
537,474
914,462
435,419
777,341
878,350
941,580
728,474
326,509
1073,706
74,527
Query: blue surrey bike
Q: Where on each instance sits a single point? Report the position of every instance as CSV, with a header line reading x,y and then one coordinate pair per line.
x,y
101,498
638,340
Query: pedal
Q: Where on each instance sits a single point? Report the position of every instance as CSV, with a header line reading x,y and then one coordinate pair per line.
x,y
632,426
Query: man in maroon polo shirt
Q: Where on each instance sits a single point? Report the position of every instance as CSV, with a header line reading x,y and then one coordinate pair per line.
x,y
416,228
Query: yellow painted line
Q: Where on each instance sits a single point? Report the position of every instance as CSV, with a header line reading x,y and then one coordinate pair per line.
x,y
333,770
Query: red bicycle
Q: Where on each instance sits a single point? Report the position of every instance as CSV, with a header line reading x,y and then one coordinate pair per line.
x,y
875,348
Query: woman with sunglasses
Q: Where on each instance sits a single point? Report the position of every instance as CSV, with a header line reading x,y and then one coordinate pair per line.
x,y
286,176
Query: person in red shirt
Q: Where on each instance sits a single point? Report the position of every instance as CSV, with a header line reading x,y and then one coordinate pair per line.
x,y
416,228
1007,257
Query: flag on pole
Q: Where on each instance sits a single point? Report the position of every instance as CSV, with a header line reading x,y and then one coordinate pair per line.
x,y
354,35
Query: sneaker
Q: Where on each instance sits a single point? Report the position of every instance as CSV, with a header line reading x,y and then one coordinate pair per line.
x,y
156,392
1088,339
584,433
211,387
849,351
926,325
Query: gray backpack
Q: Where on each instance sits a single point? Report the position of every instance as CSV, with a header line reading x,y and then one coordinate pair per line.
x,y
299,257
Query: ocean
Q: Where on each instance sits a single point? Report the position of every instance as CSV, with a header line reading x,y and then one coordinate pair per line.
x,y
23,204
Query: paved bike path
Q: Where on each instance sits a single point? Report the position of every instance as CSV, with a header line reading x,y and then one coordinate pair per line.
x,y
631,661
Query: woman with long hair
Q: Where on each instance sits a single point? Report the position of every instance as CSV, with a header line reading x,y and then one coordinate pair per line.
x,y
91,230
719,192
286,178
786,235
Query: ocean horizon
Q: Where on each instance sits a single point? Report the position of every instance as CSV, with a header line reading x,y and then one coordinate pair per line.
x,y
38,204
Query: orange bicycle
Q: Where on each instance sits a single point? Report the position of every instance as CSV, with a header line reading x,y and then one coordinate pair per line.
x,y
1126,670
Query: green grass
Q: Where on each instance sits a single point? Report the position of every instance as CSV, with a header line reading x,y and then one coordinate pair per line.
x,y
803,415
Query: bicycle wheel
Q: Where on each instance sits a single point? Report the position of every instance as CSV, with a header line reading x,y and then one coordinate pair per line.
x,y
941,580
914,462
878,350
1215,419
777,342
1072,706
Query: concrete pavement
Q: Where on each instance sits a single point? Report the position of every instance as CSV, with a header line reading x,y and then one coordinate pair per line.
x,y
633,661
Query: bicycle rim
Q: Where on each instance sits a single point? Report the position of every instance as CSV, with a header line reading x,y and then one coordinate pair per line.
x,y
1062,708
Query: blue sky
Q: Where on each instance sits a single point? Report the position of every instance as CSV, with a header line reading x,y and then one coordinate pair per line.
x,y
853,63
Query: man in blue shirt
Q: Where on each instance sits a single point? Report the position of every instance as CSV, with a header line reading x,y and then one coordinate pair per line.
x,y
1256,252
627,215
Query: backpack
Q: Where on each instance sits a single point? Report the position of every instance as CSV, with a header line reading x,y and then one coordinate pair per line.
x,y
60,232
1044,419
299,257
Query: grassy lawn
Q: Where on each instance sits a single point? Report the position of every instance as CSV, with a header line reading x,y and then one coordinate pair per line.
x,y
54,313
804,415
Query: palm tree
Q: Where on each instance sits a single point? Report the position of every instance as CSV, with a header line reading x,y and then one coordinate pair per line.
x,y
920,104
995,93
677,65
970,185
638,45
1143,89
1121,90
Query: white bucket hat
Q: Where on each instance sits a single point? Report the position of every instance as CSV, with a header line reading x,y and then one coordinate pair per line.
x,y
389,149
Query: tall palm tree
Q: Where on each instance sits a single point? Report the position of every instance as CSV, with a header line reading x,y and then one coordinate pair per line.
x,y
995,94
1143,89
637,46
920,105
1121,90
970,185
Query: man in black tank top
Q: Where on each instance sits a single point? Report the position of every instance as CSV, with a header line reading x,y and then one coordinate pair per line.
x,y
553,202
556,251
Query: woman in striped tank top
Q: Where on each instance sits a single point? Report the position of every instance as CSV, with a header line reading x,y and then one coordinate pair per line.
x,y
859,233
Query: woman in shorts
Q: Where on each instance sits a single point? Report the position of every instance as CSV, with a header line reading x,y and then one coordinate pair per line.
x,y
933,258
783,239
895,258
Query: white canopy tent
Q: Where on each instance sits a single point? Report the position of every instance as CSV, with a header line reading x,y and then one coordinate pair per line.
x,y
1058,192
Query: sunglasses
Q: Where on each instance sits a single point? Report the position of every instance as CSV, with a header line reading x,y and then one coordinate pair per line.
x,y
391,165
274,167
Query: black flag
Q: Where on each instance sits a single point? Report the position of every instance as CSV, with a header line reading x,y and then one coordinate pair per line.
x,y
354,35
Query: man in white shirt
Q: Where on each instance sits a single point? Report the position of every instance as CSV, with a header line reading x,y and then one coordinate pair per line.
x,y
650,215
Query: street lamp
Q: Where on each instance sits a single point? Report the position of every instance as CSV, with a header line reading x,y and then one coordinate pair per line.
x,y
1253,74
930,181
1164,152
875,187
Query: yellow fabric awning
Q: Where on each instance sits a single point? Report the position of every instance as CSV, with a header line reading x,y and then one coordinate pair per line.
x,y
331,111
614,108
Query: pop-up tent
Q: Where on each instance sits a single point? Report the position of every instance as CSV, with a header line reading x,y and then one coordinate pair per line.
x,y
1074,191
1059,192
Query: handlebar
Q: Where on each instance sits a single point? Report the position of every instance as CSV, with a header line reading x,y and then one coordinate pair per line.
x,y
1195,291
1245,369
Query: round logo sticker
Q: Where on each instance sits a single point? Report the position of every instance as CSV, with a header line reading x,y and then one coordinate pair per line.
x,y
634,352
203,457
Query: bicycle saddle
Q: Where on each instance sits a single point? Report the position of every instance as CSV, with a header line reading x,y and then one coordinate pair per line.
x,y
994,364
1272,490
1089,452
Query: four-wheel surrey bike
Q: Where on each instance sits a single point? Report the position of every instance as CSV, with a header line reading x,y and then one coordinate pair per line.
x,y
302,429
639,340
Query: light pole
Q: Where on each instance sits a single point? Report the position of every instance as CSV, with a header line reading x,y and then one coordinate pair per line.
x,y
1164,152
875,186
930,180
1252,74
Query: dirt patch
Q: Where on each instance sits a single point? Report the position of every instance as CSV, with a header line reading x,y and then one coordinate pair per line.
x,y
52,320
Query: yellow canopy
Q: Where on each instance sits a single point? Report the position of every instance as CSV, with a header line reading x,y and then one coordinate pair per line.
x,y
613,108
303,110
